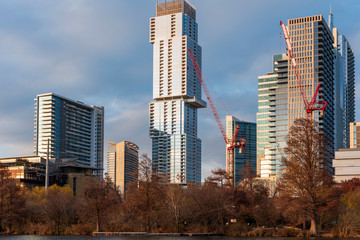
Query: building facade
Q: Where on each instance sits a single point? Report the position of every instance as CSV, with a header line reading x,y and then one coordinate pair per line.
x,y
346,164
247,157
123,160
73,129
354,135
176,148
312,42
272,118
323,57
344,74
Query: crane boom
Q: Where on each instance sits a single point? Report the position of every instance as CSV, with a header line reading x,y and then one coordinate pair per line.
x,y
313,105
293,61
208,96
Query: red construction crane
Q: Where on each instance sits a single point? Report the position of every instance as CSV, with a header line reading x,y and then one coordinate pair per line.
x,y
232,144
313,105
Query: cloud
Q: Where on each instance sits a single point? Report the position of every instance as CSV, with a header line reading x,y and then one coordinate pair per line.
x,y
98,52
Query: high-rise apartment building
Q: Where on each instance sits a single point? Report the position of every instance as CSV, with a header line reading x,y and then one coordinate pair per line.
x,y
73,129
123,160
272,118
247,157
322,57
176,149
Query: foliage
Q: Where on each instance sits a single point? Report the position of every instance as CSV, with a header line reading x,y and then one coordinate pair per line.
x,y
306,183
11,202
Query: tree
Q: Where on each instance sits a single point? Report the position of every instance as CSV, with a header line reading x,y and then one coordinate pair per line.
x,y
59,207
100,200
11,200
349,219
144,204
174,196
306,183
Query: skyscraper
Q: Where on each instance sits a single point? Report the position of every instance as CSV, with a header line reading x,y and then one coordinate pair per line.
x,y
123,160
344,73
312,42
176,149
74,130
320,56
247,156
272,118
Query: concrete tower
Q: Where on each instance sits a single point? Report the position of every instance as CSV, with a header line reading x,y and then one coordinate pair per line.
x,y
176,149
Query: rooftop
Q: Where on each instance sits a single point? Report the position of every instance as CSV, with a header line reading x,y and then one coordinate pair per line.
x,y
175,6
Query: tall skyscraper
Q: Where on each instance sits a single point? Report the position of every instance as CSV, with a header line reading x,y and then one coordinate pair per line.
x,y
74,130
320,58
312,42
176,149
344,87
247,130
123,160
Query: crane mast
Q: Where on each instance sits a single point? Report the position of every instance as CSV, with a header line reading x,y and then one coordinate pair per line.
x,y
313,105
232,144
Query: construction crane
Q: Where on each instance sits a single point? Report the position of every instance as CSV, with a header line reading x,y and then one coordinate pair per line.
x,y
232,144
313,105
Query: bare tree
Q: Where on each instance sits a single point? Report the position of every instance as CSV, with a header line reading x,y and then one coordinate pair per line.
x,y
100,200
306,181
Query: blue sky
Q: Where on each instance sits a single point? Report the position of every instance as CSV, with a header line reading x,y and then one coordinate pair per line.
x,y
98,52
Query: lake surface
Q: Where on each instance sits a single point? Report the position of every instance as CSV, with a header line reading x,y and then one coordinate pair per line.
x,y
38,237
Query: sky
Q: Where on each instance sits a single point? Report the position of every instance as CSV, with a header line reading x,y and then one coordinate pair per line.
x,y
98,52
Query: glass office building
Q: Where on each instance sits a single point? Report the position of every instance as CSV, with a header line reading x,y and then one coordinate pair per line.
x,y
176,149
247,130
344,74
74,130
323,57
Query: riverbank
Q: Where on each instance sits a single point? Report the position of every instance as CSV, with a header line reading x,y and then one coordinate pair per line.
x,y
108,234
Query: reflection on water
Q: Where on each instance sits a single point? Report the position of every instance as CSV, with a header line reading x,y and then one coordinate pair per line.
x,y
39,237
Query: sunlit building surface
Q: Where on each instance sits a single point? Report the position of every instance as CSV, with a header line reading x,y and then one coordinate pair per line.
x,y
176,149
347,164
123,160
323,57
355,135
74,130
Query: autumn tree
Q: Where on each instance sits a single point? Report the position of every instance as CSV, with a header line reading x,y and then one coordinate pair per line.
x,y
145,204
11,201
174,198
306,183
252,198
101,200
349,219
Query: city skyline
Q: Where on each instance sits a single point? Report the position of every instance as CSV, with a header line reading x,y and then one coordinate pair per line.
x,y
93,53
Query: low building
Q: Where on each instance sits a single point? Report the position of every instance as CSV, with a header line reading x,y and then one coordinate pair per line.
x,y
29,171
76,175
347,164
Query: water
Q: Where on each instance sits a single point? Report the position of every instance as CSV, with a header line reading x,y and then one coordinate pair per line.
x,y
39,237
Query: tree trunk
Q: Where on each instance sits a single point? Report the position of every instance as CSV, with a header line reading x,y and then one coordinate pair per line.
x,y
313,231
